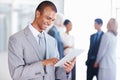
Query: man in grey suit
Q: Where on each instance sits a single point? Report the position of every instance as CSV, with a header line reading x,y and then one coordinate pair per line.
x,y
32,53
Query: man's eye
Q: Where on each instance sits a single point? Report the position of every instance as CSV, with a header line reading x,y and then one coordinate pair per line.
x,y
48,18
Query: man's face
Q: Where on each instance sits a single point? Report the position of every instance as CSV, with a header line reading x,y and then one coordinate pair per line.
x,y
46,18
97,26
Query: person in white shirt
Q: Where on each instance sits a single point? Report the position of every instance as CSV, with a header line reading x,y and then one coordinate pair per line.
x,y
68,42
67,39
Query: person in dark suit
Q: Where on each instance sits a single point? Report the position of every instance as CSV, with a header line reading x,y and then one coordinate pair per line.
x,y
55,30
93,49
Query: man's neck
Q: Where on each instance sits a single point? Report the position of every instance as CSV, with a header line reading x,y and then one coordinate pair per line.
x,y
67,32
36,27
98,30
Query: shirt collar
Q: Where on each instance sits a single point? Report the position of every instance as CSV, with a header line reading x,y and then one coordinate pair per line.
x,y
99,33
35,31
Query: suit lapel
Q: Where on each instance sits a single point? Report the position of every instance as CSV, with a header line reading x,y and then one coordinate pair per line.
x,y
101,34
94,38
31,39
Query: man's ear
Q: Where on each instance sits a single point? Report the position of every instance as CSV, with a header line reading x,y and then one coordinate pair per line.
x,y
37,14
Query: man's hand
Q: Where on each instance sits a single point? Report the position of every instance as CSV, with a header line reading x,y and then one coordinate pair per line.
x,y
69,65
51,61
96,65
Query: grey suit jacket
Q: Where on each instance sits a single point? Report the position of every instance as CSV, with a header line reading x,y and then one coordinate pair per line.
x,y
24,57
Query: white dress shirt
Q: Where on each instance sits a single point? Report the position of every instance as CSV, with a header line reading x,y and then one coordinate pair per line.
x,y
68,41
40,37
35,32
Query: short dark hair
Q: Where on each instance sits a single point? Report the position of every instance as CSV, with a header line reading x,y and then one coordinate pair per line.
x,y
66,22
99,21
45,4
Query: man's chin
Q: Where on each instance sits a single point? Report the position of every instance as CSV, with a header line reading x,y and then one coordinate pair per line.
x,y
45,28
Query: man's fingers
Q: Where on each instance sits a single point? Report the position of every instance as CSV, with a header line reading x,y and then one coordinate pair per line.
x,y
68,64
74,60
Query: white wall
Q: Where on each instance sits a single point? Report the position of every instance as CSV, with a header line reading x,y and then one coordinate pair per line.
x,y
82,13
4,72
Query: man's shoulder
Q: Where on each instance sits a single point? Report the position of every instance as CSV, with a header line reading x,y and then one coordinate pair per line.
x,y
18,34
52,31
53,28
102,32
93,34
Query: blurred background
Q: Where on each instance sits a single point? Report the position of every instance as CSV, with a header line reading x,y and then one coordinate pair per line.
x,y
17,14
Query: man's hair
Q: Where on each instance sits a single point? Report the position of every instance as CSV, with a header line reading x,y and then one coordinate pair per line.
x,y
66,22
99,21
45,4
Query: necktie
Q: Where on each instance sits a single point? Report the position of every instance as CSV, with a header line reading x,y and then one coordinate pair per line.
x,y
42,47
42,44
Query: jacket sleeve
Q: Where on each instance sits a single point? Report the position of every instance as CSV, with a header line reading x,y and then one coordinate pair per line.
x,y
89,51
90,47
102,49
19,70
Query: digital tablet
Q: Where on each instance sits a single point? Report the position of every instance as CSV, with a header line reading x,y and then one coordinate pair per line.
x,y
69,57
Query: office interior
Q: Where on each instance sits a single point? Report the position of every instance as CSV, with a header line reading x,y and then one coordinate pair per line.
x,y
17,14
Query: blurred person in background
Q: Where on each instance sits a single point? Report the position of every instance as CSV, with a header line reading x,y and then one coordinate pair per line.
x,y
55,32
67,39
106,58
68,43
95,40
